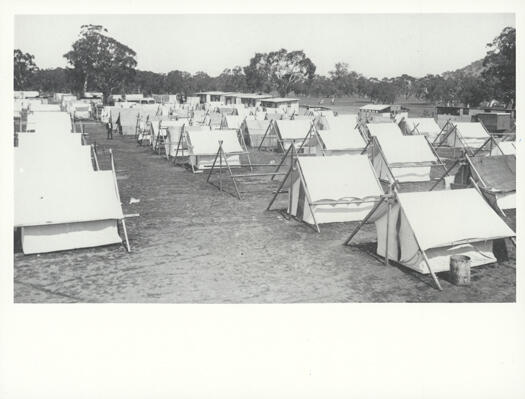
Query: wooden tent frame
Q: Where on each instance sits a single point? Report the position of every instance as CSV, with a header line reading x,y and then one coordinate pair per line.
x,y
390,166
280,141
289,176
458,137
236,179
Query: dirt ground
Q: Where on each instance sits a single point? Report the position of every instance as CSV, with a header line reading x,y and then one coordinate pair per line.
x,y
194,244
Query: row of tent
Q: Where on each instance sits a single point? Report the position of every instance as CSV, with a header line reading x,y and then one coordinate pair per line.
x,y
337,167
56,207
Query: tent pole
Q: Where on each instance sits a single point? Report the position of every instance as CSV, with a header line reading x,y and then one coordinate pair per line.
x,y
434,277
95,156
128,248
444,175
279,189
230,171
212,166
362,222
281,163
290,190
264,136
389,208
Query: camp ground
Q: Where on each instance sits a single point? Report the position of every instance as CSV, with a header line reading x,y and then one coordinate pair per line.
x,y
462,136
425,126
404,158
407,234
339,188
287,132
387,129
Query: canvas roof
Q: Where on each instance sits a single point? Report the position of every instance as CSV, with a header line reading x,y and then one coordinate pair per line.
x,y
341,140
257,126
45,107
423,125
374,107
505,147
471,130
37,158
65,197
48,142
406,149
498,172
207,142
49,123
447,217
353,175
384,129
234,121
293,129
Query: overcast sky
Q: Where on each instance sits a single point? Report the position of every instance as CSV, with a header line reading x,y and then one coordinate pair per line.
x,y
375,45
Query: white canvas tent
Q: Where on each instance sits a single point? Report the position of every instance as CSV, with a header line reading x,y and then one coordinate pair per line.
x,y
203,147
467,135
174,135
423,229
425,126
254,131
339,142
339,188
232,121
404,158
61,202
288,132
387,129
49,123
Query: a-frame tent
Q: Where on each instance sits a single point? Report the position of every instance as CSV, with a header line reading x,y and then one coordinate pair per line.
x,y
174,135
404,158
203,147
338,188
62,200
232,122
386,129
181,154
421,230
254,130
465,136
494,176
287,132
425,126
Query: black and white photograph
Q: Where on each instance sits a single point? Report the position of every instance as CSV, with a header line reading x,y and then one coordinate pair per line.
x,y
296,200
270,169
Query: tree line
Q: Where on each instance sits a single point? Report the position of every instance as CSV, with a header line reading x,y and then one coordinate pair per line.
x,y
98,62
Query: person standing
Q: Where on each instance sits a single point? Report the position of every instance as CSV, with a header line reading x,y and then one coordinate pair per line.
x,y
109,127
